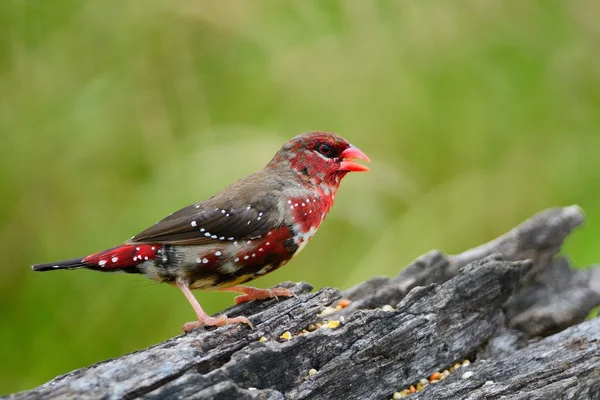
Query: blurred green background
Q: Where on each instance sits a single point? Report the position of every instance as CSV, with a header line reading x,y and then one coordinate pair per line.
x,y
113,114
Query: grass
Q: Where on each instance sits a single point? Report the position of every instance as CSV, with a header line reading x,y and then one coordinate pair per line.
x,y
113,114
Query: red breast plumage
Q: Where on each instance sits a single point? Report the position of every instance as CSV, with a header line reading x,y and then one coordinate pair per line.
x,y
247,230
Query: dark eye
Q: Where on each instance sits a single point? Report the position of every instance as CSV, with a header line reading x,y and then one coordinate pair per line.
x,y
325,149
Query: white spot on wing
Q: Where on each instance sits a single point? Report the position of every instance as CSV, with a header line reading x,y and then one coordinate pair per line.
x,y
114,259
101,263
193,223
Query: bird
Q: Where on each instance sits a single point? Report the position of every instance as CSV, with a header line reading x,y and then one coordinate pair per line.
x,y
245,231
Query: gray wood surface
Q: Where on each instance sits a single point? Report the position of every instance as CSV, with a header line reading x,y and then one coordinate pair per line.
x,y
511,306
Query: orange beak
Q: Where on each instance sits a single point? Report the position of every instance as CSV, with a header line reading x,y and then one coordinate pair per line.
x,y
353,153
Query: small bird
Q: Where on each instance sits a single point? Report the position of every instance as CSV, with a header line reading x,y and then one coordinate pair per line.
x,y
245,231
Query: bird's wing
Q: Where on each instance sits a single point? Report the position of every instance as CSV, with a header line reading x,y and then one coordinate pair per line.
x,y
205,223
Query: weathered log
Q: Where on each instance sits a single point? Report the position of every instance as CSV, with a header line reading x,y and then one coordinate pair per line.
x,y
489,305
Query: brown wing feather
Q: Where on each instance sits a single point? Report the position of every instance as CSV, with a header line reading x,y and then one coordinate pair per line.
x,y
206,222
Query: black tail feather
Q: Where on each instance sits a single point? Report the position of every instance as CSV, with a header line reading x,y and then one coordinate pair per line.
x,y
73,263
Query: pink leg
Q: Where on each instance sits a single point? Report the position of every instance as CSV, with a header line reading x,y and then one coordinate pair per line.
x,y
252,293
204,318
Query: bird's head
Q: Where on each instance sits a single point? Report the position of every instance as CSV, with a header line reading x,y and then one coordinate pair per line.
x,y
321,157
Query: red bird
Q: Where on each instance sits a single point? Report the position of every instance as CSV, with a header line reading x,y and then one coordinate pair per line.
x,y
247,230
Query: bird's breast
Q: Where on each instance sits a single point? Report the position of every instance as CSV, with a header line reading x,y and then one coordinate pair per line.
x,y
307,213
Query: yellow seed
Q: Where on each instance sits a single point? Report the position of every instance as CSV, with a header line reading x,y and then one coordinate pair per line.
x,y
444,374
405,392
419,387
286,335
312,327
434,381
397,396
333,324
312,371
338,307
304,331
262,339
318,325
424,382
466,362
387,307
457,366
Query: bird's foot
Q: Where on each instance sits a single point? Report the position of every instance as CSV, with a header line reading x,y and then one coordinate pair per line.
x,y
212,321
252,293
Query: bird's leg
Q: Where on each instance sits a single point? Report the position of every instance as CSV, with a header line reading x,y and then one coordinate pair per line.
x,y
252,293
203,317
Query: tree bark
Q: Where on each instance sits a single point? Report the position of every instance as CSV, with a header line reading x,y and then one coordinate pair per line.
x,y
511,307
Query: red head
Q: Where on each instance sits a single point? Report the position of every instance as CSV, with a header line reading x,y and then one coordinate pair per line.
x,y
322,156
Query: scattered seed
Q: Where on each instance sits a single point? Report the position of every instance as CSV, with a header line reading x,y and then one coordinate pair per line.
x,y
412,389
327,311
435,376
419,387
424,382
286,335
344,303
262,339
444,374
397,396
338,307
333,324
312,328
312,372
487,383
387,307
434,381
467,375
466,362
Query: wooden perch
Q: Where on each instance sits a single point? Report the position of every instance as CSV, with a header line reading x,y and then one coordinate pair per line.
x,y
490,305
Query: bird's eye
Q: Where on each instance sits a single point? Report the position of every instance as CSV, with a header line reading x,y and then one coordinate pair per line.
x,y
325,149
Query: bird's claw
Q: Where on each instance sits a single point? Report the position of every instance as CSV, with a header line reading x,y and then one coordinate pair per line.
x,y
218,321
261,294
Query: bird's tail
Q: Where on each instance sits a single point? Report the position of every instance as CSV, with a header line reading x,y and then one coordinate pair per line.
x,y
73,263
